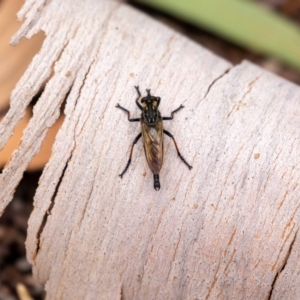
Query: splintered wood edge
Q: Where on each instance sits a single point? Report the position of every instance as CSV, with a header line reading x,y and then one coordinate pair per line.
x,y
14,61
235,213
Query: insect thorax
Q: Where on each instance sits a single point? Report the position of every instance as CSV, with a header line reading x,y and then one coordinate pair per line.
x,y
150,114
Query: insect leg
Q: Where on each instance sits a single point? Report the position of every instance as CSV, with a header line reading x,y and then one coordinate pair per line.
x,y
179,154
138,90
129,160
128,113
156,182
137,99
173,112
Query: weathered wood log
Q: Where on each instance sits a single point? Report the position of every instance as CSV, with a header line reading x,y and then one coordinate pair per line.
x,y
227,229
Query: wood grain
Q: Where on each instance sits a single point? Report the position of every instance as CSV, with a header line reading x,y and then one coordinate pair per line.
x,y
227,229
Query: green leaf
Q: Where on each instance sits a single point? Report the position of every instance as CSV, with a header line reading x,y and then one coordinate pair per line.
x,y
245,23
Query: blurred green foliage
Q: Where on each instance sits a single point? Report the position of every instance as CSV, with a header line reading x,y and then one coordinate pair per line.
x,y
246,23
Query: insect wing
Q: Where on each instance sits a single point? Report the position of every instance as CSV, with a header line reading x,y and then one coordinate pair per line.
x,y
153,145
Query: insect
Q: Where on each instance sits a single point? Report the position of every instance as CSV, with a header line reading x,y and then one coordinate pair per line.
x,y
152,132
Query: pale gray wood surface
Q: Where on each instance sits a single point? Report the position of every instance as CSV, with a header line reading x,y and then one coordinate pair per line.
x,y
227,229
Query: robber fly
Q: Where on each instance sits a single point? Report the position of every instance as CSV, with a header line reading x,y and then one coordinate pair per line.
x,y
152,132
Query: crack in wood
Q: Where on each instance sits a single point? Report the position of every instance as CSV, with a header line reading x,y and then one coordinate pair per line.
x,y
121,292
47,213
288,254
215,80
214,282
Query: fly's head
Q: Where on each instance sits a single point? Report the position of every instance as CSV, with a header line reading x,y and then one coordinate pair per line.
x,y
150,113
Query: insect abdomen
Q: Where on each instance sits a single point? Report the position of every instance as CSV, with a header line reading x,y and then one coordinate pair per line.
x,y
156,182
